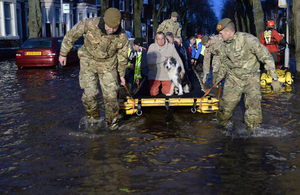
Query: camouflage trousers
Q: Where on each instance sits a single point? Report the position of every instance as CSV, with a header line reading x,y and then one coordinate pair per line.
x,y
233,90
90,73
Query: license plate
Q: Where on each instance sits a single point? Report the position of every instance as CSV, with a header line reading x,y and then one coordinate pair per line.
x,y
34,53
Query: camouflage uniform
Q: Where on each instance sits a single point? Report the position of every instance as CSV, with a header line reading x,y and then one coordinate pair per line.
x,y
170,26
213,48
102,57
240,58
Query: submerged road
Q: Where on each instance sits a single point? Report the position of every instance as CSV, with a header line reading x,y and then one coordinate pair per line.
x,y
44,152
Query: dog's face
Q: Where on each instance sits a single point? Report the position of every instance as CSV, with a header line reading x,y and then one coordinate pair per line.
x,y
170,64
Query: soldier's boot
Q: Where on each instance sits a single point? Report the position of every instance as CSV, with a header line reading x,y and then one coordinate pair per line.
x,y
92,121
223,122
114,124
252,128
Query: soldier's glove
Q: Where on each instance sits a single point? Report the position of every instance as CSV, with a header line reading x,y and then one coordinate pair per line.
x,y
276,86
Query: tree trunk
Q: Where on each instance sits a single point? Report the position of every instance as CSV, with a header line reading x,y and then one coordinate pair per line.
x,y
156,12
237,24
258,17
104,4
137,12
296,19
35,19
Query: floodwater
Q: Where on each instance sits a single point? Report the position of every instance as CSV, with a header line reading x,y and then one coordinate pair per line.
x,y
44,152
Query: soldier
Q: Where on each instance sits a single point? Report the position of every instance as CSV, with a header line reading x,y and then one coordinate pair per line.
x,y
103,56
240,57
170,25
212,47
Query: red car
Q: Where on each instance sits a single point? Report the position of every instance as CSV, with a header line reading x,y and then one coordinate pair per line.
x,y
44,52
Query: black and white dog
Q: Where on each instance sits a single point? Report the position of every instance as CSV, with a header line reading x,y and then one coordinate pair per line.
x,y
173,69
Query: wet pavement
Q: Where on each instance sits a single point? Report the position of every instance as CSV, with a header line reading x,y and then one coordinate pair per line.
x,y
44,152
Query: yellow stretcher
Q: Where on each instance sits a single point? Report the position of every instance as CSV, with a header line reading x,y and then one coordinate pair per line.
x,y
202,105
284,77
197,99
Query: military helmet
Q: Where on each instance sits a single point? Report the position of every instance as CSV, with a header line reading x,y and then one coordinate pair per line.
x,y
223,23
112,17
270,23
205,39
174,14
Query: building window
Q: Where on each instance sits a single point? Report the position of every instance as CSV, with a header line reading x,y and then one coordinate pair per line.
x,y
57,15
144,30
98,3
123,24
8,18
57,21
131,6
122,5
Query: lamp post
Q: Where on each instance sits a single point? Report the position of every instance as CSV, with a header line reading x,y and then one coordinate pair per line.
x,y
287,50
61,18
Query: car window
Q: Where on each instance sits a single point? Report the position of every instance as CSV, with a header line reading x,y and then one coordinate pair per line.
x,y
77,43
37,43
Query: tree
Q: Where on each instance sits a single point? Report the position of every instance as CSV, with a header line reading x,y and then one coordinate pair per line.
x,y
194,14
296,19
138,8
258,17
104,4
157,9
34,19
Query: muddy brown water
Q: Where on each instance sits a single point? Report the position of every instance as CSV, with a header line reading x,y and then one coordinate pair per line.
x,y
44,152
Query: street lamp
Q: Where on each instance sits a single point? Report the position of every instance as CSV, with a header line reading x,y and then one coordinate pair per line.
x,y
61,18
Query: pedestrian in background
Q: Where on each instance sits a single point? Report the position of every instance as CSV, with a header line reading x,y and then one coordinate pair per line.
x,y
211,55
136,62
272,39
104,58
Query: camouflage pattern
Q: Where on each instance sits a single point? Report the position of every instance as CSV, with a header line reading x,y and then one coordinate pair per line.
x,y
102,57
111,50
240,57
170,26
90,73
213,48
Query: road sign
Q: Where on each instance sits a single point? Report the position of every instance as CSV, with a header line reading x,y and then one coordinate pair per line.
x,y
66,8
282,3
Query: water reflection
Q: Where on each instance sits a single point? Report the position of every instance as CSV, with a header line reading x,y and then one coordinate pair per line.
x,y
36,82
107,173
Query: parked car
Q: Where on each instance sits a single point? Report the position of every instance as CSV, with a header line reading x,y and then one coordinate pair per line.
x,y
44,52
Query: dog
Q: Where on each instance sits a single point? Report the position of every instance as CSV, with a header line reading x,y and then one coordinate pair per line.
x,y
181,85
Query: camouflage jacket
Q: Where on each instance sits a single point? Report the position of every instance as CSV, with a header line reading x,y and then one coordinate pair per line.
x,y
240,58
213,48
110,50
170,26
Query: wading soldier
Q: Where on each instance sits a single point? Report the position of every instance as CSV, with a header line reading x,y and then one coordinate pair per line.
x,y
170,25
240,57
102,57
